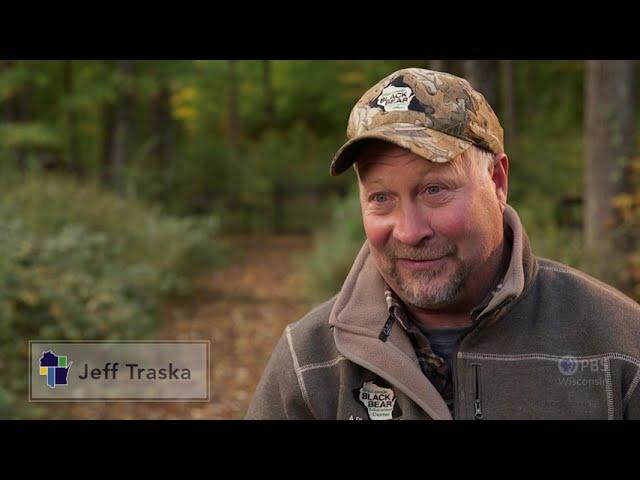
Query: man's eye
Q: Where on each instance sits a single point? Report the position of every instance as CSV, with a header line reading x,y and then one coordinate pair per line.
x,y
433,189
379,197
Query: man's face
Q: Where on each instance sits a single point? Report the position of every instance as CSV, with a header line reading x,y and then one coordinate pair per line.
x,y
433,229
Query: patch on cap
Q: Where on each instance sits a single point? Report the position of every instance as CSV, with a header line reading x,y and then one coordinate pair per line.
x,y
395,99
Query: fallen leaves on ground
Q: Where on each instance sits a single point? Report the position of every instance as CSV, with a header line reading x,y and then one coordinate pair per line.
x,y
242,309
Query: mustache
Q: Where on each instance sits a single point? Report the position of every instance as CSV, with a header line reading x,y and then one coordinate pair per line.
x,y
425,253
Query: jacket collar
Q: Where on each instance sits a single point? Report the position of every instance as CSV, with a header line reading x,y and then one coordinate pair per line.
x,y
360,313
520,271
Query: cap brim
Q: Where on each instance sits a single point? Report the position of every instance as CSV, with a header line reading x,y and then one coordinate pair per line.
x,y
430,144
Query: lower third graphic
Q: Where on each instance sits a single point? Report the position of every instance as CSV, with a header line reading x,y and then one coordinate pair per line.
x,y
55,368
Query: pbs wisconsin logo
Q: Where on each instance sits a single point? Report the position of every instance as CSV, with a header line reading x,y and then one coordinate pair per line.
x,y
568,365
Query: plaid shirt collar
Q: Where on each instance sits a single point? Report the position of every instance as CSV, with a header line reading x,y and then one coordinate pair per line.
x,y
431,364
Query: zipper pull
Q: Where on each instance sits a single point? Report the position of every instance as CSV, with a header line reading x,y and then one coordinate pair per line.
x,y
477,409
386,330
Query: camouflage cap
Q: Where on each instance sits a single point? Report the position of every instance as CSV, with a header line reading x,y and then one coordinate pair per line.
x,y
435,115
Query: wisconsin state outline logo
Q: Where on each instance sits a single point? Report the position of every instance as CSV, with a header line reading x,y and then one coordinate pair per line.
x,y
55,368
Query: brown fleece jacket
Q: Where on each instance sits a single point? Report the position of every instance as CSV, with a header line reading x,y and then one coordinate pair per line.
x,y
554,343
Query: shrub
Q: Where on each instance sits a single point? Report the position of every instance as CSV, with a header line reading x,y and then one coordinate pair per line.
x,y
78,262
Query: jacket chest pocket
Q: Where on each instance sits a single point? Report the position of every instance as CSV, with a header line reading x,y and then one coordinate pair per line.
x,y
533,387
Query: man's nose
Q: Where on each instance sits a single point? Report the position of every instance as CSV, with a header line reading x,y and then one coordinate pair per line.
x,y
411,227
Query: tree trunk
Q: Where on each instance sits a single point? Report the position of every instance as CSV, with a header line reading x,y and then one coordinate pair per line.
x,y
9,105
609,141
481,74
508,101
161,126
108,130
17,109
269,103
124,122
234,120
73,156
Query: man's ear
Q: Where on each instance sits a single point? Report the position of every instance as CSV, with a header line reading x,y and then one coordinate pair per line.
x,y
500,178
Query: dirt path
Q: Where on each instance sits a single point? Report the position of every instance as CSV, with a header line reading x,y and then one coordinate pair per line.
x,y
242,309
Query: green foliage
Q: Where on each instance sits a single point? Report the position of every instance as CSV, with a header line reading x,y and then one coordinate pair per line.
x,y
29,135
240,187
335,249
544,171
550,95
77,262
312,101
547,238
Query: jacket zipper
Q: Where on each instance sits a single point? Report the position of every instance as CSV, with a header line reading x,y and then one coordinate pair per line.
x,y
454,376
477,404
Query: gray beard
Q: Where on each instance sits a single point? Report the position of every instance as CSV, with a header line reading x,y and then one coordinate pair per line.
x,y
421,294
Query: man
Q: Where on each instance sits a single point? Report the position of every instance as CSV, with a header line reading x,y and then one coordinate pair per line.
x,y
446,313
